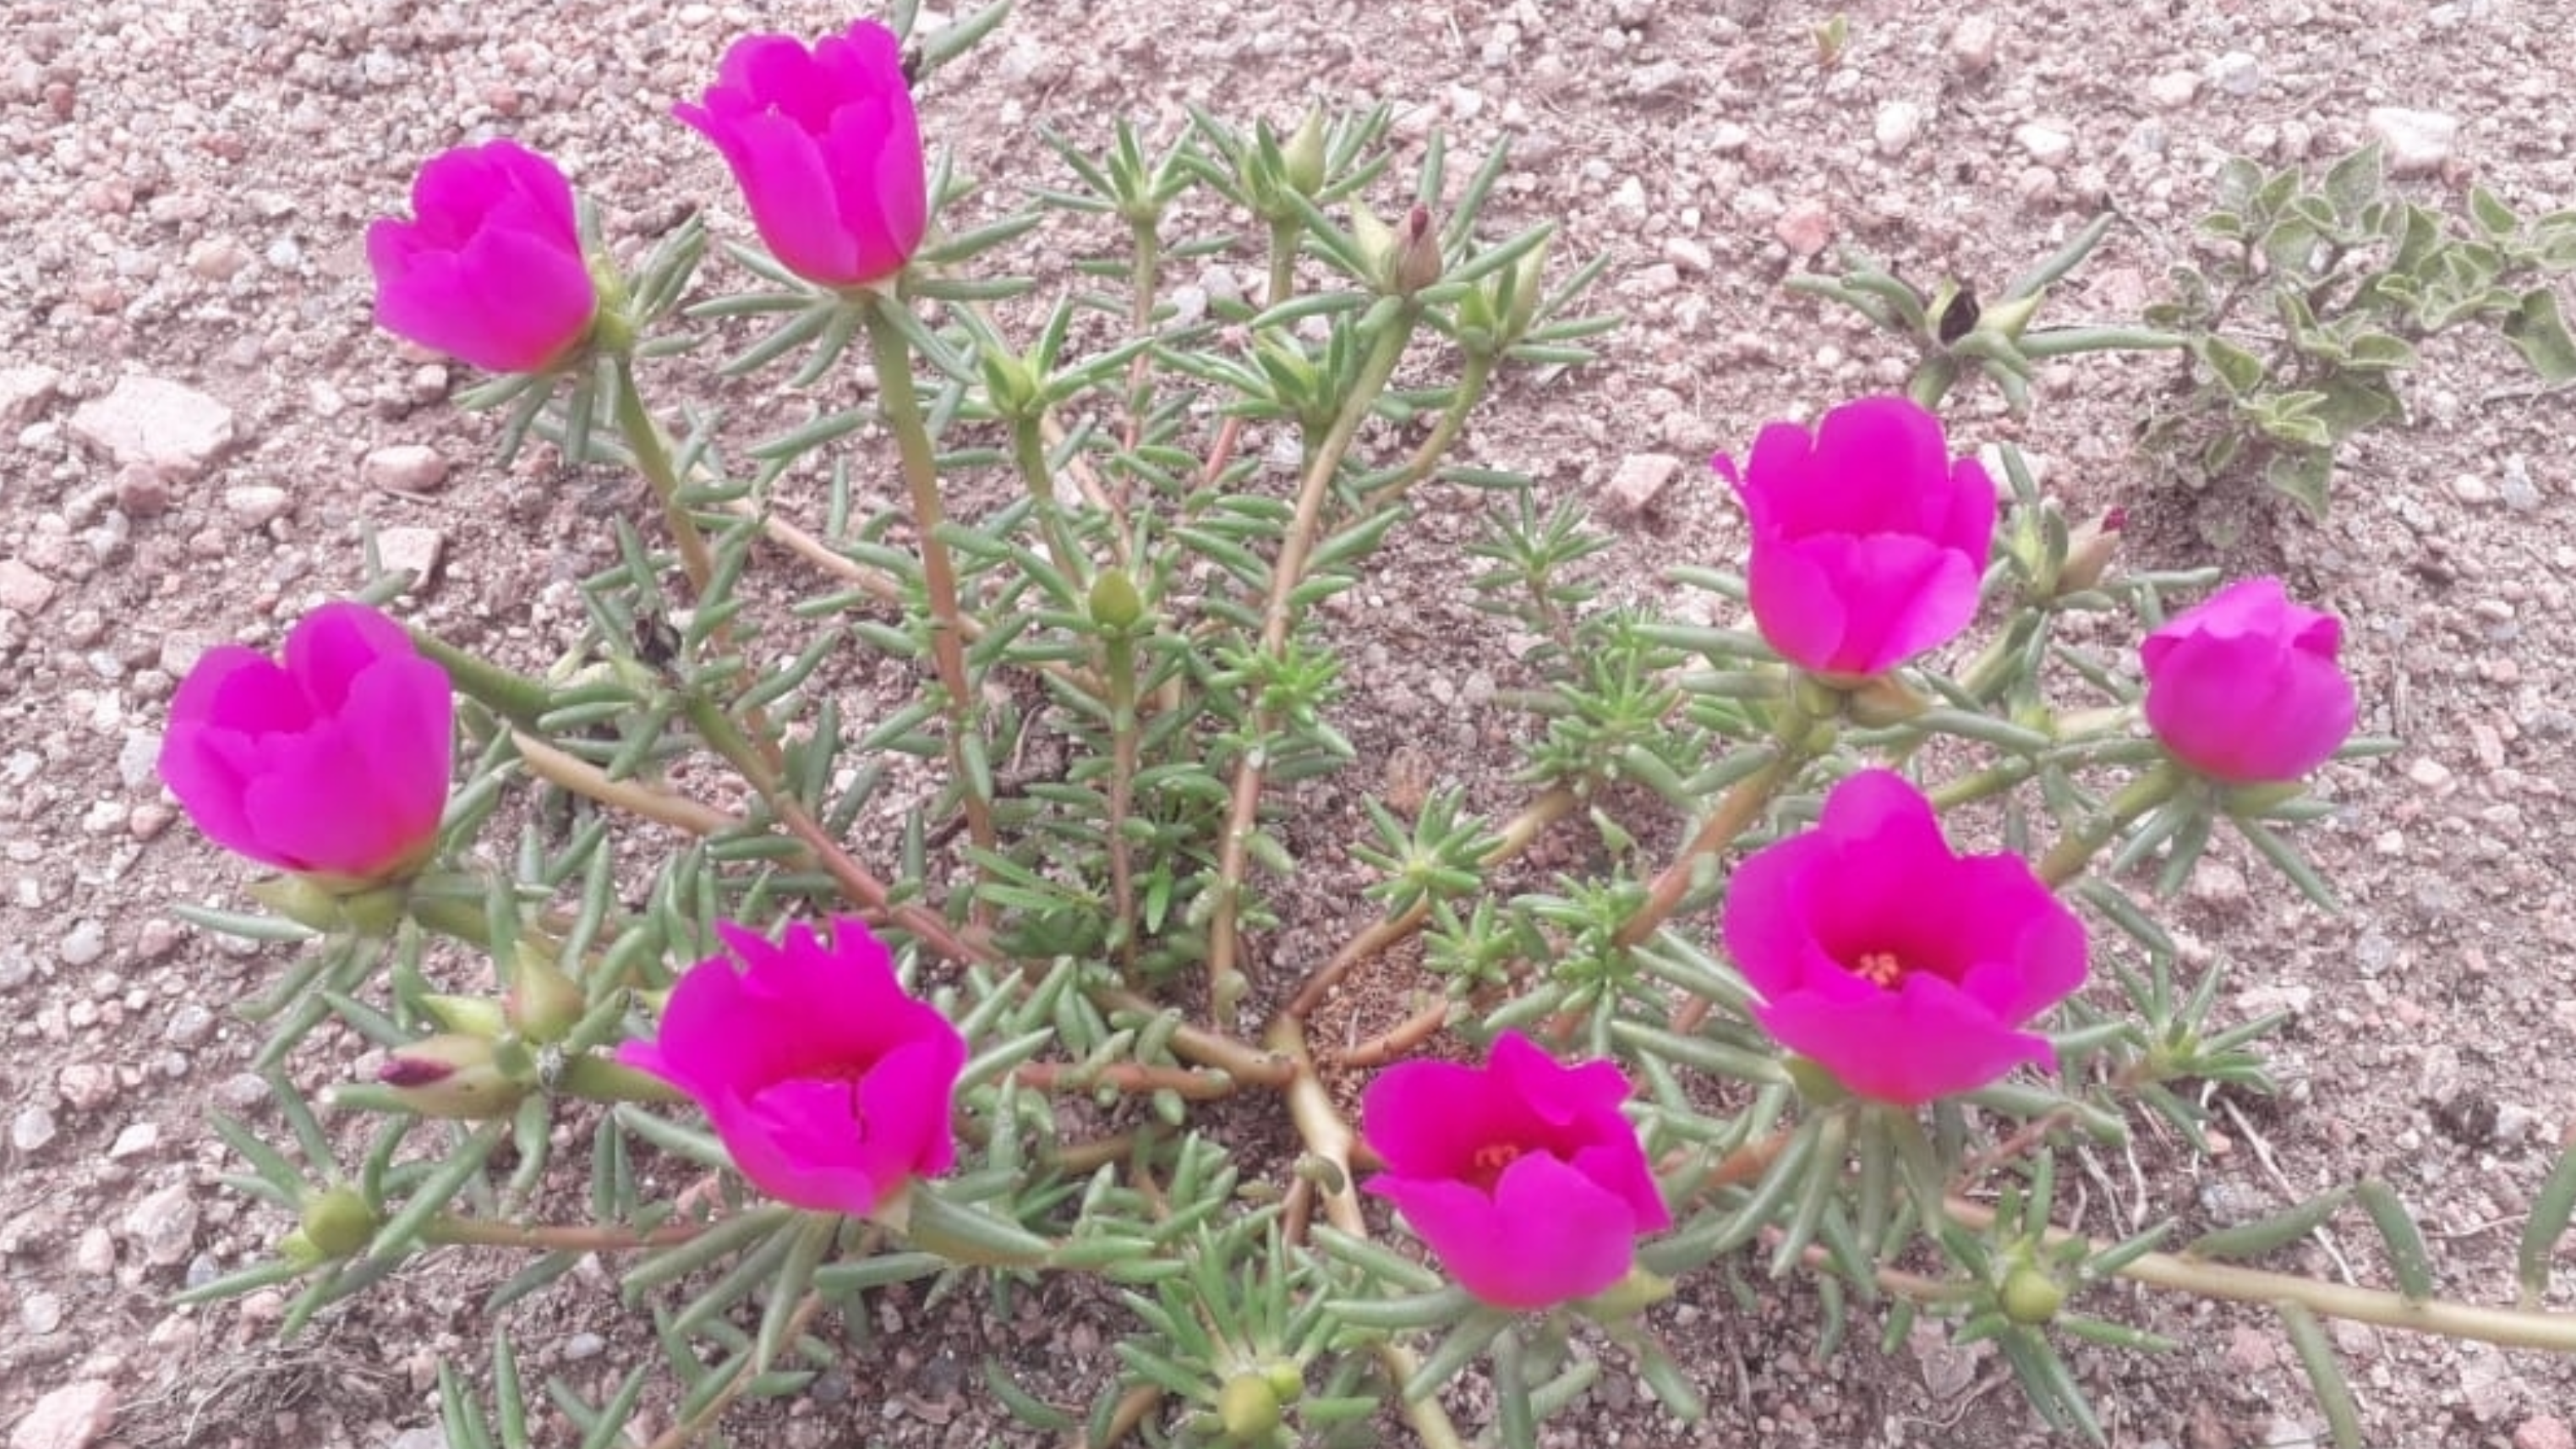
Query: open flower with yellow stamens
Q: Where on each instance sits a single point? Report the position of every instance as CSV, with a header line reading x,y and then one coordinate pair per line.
x,y
1898,965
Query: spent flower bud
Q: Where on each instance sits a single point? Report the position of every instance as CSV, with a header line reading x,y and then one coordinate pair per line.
x,y
1247,1408
453,1076
2031,1295
1115,604
544,1004
1418,263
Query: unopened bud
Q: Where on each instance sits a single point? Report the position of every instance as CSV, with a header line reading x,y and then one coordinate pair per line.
x,y
468,1015
2089,550
451,1076
2031,1295
1287,1381
544,1004
2007,319
1528,279
339,1223
1302,159
1115,604
1247,1409
298,1248
1419,263
1010,381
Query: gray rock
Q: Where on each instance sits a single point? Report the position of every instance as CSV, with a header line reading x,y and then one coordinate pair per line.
x,y
31,1129
22,589
2237,73
24,392
163,1226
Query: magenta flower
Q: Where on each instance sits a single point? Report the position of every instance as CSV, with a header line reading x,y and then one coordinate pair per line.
x,y
1901,967
491,269
826,149
1868,541
2244,688
330,762
828,1084
1520,1174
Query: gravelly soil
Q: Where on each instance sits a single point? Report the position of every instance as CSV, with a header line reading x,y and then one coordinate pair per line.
x,y
182,190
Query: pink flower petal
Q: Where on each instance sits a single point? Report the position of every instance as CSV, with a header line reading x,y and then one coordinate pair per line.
x,y
1546,1234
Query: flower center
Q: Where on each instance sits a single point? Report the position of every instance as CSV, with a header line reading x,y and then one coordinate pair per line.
x,y
1486,1166
1882,969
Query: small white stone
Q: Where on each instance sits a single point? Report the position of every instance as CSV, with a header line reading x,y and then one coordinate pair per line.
x,y
404,468
1687,254
136,1139
1899,122
2237,73
414,551
149,420
71,1417
2173,90
2430,774
255,505
2418,142
2045,144
22,589
1972,44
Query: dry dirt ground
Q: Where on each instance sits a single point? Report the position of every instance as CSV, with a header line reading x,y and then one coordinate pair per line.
x,y
183,185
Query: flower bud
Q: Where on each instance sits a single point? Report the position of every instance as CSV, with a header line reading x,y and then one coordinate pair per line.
x,y
1115,604
1419,263
452,1076
2089,550
339,1223
468,1015
1247,1408
298,1248
1011,383
2031,1295
2007,318
544,1004
1287,1381
1302,159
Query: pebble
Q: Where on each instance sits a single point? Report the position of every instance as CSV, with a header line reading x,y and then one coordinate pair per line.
x,y
1805,228
164,1225
2045,144
255,505
22,589
87,1085
190,1024
42,1313
1899,122
584,1345
1639,479
404,468
2516,489
2237,73
31,1129
137,1139
1973,42
85,942
1688,255
152,420
95,1253
2417,142
71,1417
2471,489
2173,90
24,392
2543,1431
2430,774
412,550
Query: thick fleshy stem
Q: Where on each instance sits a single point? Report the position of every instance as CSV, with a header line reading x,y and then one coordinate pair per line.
x,y
653,459
1514,838
2074,851
1226,982
901,405
1327,1136
1733,816
2506,1327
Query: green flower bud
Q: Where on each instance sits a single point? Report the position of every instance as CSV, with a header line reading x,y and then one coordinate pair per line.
x,y
339,1223
544,1004
2007,319
298,1247
1247,1409
1303,159
1115,604
1287,1381
2088,552
468,1015
2031,1296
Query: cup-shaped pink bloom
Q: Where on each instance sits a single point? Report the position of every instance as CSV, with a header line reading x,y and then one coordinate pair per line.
x,y
826,148
331,760
1869,541
489,270
1520,1174
1904,969
829,1085
2244,687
